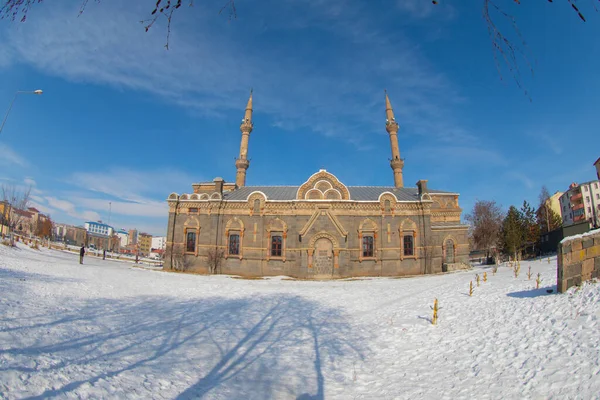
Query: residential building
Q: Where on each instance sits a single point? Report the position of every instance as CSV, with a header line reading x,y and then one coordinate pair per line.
x,y
98,228
319,229
123,237
4,218
553,202
581,203
133,237
144,243
69,234
159,242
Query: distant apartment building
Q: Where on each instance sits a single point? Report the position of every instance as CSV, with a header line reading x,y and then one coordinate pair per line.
x,y
4,217
553,202
98,228
123,237
133,237
581,203
69,234
144,243
159,242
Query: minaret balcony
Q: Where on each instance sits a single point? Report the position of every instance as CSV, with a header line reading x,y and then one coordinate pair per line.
x,y
391,126
246,126
397,163
242,163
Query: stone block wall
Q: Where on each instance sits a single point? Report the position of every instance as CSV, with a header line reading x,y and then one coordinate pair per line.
x,y
578,260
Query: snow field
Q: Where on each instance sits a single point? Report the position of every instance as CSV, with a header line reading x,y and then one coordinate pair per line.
x,y
106,329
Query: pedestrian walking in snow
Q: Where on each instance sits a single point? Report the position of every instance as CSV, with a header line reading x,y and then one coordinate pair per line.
x,y
81,253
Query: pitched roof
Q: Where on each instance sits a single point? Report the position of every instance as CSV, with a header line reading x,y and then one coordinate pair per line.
x,y
22,213
357,193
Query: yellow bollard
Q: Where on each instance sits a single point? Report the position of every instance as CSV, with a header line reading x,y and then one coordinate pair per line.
x,y
538,281
548,260
471,288
485,276
529,274
477,276
435,312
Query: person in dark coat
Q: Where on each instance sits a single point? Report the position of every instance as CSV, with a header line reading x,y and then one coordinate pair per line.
x,y
81,253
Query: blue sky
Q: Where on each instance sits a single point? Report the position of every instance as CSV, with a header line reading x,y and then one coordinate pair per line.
x,y
123,120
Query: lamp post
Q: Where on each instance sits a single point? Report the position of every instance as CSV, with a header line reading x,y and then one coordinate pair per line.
x,y
38,92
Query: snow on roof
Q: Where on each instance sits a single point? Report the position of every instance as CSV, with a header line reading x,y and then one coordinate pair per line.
x,y
98,224
580,235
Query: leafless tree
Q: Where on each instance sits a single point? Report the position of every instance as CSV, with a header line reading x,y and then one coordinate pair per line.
x,y
18,199
486,225
178,258
215,257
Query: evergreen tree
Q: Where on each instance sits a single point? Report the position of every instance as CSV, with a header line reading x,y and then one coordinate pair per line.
x,y
513,231
532,229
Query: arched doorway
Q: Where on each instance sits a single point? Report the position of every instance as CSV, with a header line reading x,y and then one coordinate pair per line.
x,y
323,258
449,250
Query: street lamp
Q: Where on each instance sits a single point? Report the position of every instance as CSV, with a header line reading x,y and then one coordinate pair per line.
x,y
38,92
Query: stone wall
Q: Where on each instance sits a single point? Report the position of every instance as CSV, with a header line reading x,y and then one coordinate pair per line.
x,y
300,233
578,260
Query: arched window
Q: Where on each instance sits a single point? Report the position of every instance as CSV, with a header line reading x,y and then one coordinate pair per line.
x,y
449,251
367,246
409,245
387,206
234,244
190,242
276,245
256,208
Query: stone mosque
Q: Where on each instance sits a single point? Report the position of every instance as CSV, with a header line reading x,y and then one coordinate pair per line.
x,y
320,229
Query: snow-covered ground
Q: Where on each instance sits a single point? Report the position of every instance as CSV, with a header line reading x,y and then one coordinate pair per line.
x,y
106,329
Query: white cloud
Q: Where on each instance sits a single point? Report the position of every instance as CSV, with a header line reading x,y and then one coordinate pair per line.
x,y
145,208
70,209
520,177
130,185
211,66
9,157
424,9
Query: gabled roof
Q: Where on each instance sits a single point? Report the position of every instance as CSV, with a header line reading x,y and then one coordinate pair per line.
x,y
357,193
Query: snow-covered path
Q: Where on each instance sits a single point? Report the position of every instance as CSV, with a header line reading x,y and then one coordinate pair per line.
x,y
109,330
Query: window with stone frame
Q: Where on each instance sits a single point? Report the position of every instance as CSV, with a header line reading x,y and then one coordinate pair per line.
x,y
193,210
277,245
409,245
234,244
190,242
368,246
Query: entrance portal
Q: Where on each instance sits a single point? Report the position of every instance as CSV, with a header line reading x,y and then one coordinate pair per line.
x,y
323,259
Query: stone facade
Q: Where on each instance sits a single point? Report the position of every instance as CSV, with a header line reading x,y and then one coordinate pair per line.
x,y
321,229
578,260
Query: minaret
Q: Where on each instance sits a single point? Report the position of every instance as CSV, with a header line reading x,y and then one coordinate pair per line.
x,y
392,127
242,162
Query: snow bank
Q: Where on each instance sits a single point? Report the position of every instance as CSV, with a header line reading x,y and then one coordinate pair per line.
x,y
107,330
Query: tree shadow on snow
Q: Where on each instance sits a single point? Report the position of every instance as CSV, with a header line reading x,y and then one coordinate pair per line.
x,y
533,292
254,347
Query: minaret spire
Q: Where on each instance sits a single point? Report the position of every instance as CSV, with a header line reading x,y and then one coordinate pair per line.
x,y
242,163
392,127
